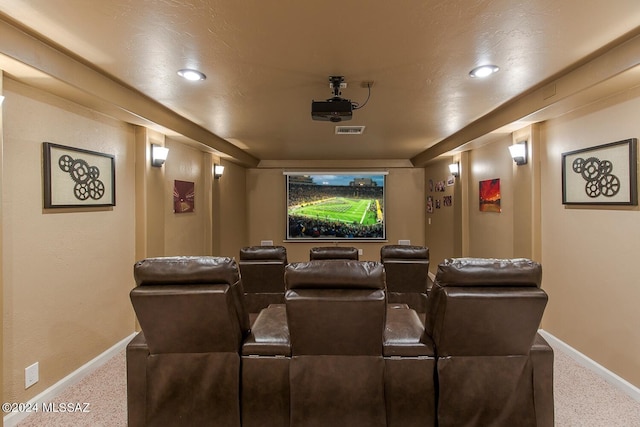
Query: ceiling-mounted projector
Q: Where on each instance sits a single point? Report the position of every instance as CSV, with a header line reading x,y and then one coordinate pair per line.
x,y
335,109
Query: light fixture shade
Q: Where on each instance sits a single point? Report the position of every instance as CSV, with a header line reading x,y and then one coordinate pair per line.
x,y
218,170
158,155
1,99
454,168
519,152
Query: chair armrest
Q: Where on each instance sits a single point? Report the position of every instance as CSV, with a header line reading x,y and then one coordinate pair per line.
x,y
404,334
137,353
542,360
270,334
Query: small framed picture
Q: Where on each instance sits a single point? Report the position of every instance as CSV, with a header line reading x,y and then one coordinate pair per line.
x,y
490,197
601,175
74,177
184,199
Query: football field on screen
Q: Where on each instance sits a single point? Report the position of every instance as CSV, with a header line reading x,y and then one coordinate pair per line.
x,y
339,209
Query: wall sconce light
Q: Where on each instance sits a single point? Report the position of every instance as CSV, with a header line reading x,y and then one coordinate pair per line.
x,y
158,155
1,99
519,153
218,170
454,168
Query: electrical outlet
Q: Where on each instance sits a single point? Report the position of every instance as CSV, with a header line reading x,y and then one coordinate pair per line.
x,y
359,251
31,375
266,242
404,242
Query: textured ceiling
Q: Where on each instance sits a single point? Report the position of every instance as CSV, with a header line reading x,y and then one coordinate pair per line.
x,y
265,61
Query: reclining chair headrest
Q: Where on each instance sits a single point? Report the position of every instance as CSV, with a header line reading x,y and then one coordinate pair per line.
x,y
489,272
404,252
333,252
186,270
335,274
254,253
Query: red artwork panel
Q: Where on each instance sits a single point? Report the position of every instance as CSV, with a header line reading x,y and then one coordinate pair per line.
x,y
183,196
490,195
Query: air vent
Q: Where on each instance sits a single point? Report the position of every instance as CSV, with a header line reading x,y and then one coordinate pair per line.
x,y
349,130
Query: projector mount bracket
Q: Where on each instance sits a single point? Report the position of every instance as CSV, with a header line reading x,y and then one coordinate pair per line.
x,y
336,83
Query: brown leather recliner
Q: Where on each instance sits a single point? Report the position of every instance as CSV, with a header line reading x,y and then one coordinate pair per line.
x,y
266,356
184,367
409,376
336,318
407,269
262,272
493,369
336,309
333,252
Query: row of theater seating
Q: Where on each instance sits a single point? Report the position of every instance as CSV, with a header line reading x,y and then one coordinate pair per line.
x,y
407,273
336,353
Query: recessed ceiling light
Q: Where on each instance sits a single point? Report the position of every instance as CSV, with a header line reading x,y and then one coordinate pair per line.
x,y
483,71
191,74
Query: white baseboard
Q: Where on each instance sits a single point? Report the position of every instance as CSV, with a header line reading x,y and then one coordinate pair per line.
x,y
615,380
12,419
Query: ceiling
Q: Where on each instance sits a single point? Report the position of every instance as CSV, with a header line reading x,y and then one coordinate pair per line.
x,y
266,61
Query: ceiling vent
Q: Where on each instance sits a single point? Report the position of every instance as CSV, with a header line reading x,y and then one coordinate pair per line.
x,y
349,130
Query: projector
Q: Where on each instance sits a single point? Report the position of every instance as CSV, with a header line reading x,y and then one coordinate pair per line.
x,y
332,110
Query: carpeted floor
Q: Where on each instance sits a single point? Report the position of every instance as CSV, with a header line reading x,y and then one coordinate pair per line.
x,y
582,399
105,390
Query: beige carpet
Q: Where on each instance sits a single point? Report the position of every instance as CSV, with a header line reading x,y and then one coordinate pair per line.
x,y
105,390
582,399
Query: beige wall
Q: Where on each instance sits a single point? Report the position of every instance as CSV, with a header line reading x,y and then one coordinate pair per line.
x,y
230,207
266,206
590,255
66,273
465,231
526,196
442,229
491,233
150,196
185,232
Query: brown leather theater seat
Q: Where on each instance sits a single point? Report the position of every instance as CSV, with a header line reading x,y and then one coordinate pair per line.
x,y
333,252
262,272
407,269
184,367
336,353
493,368
336,317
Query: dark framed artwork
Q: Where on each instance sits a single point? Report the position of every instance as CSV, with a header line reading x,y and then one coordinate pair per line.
x,y
184,196
74,177
490,197
601,175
